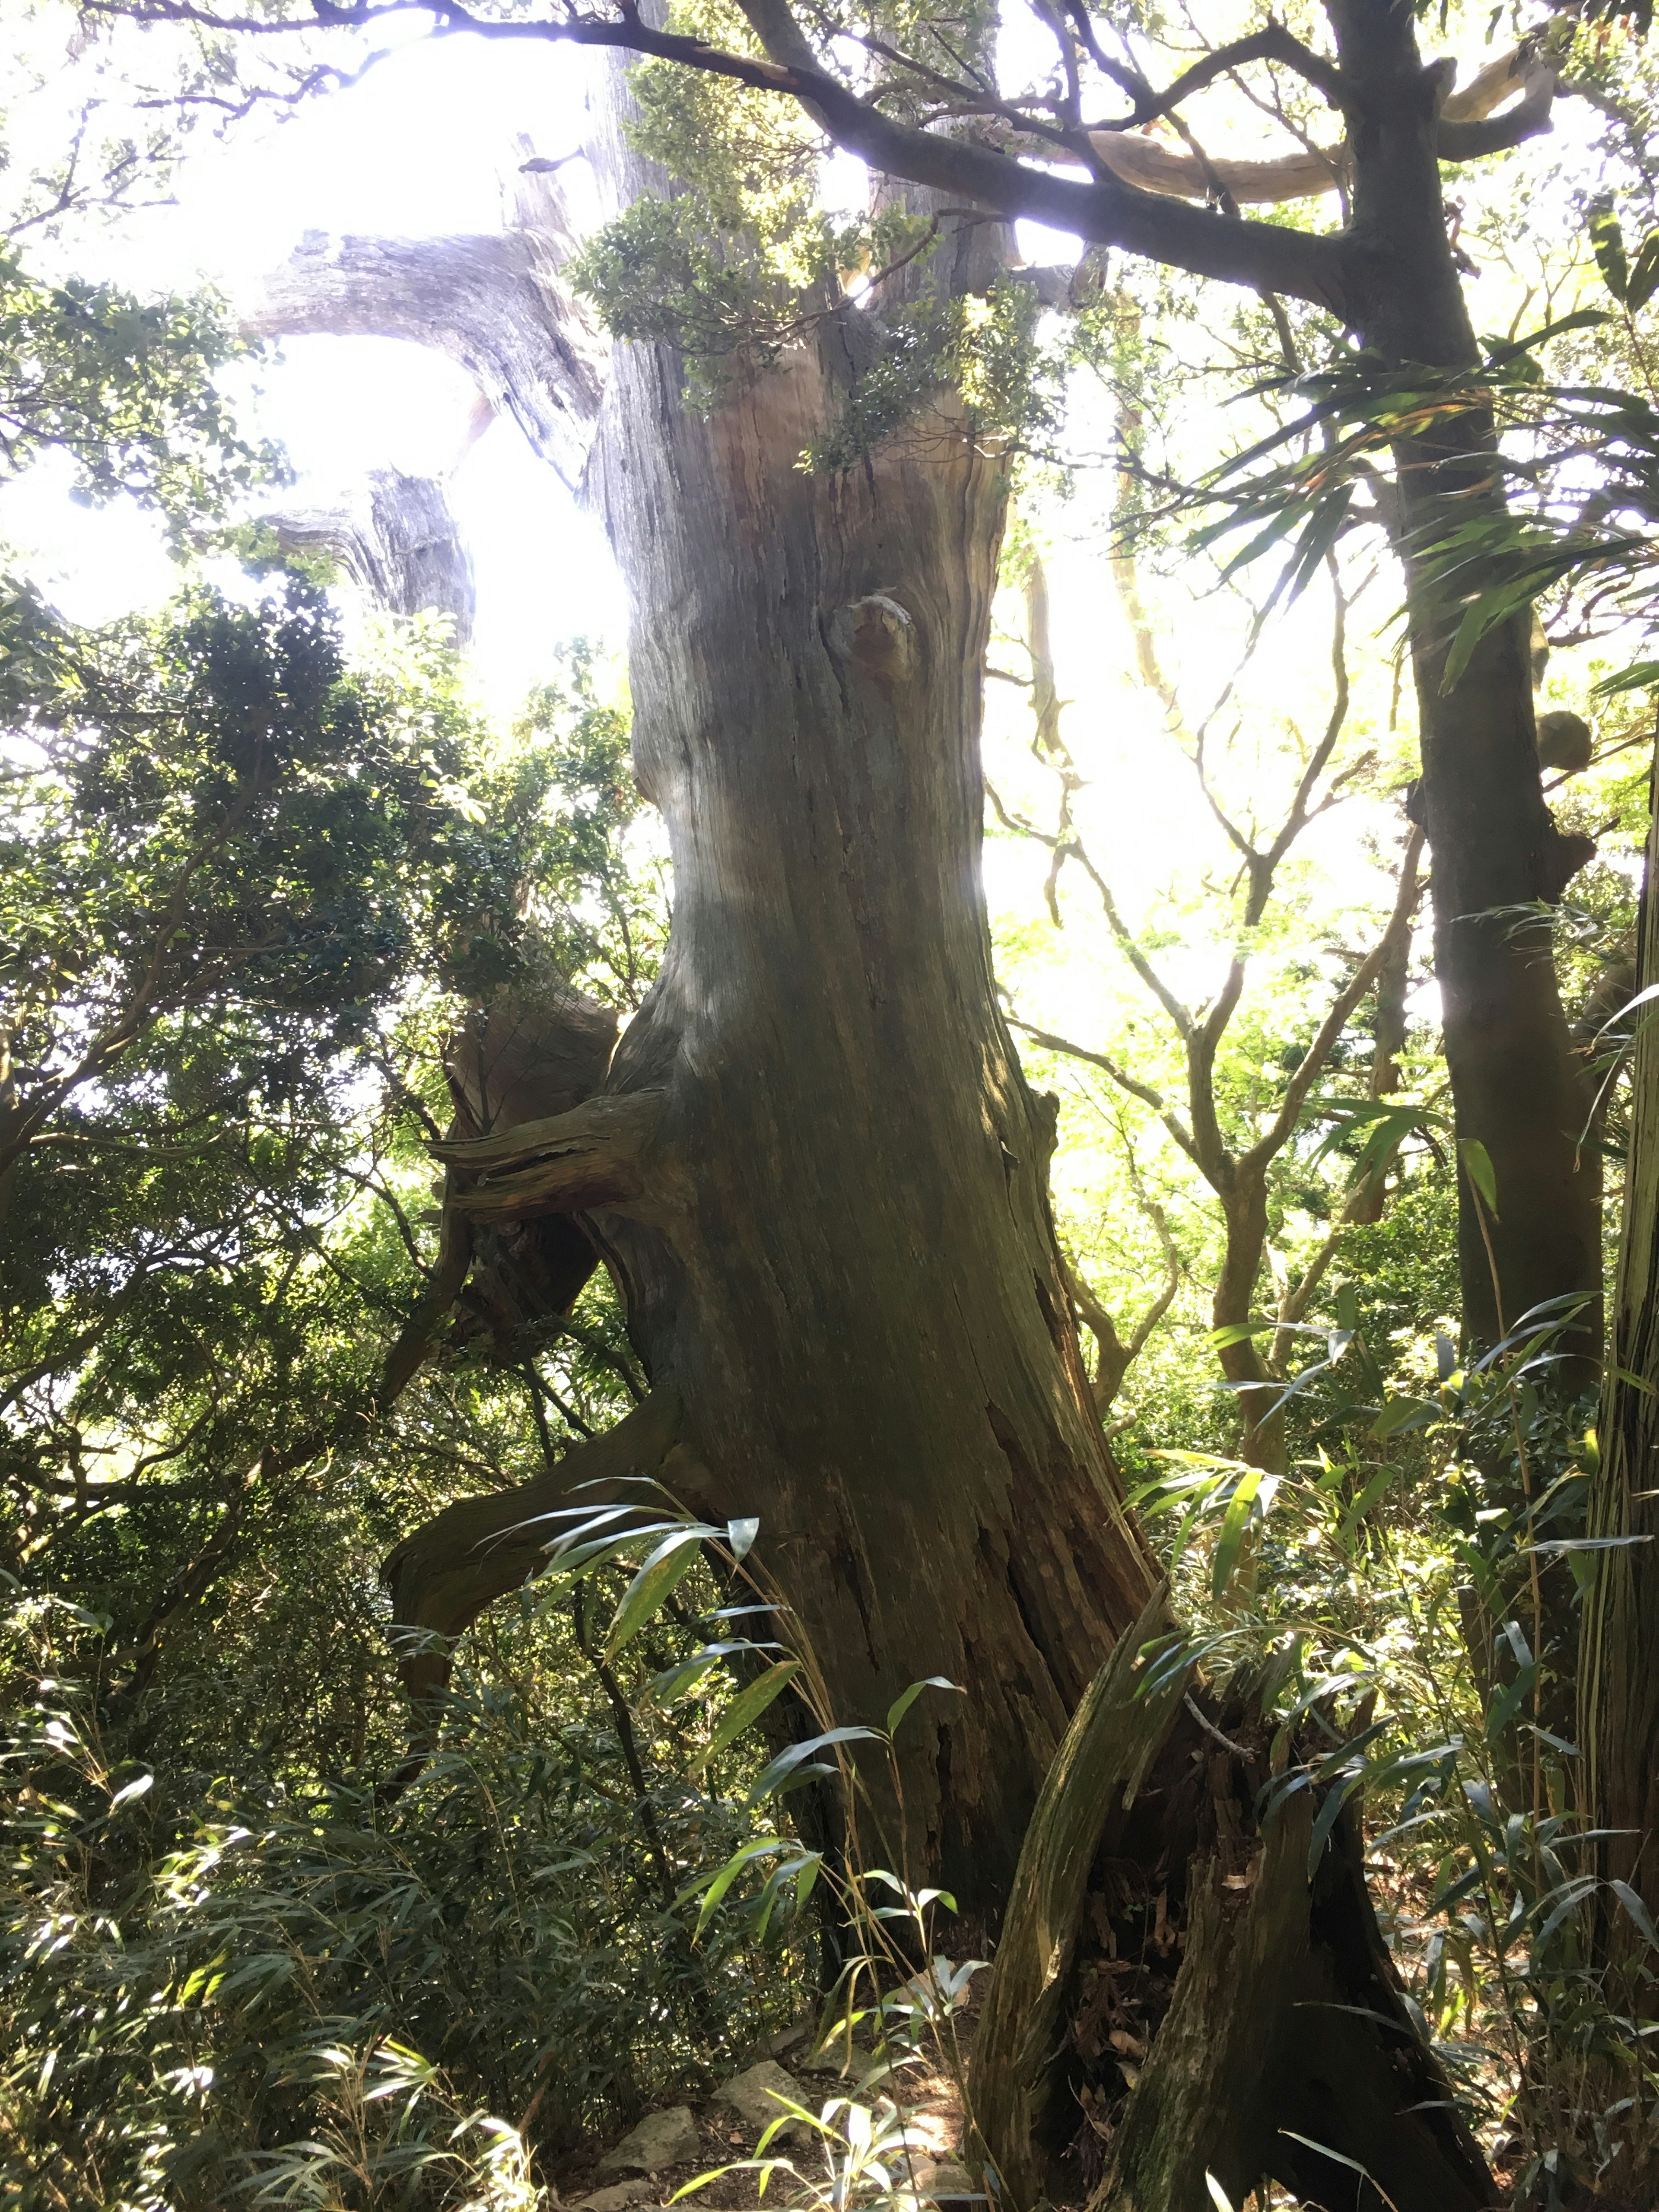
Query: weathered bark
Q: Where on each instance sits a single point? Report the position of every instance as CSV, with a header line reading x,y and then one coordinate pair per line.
x,y
813,1168
1495,848
1278,2043
1288,2051
1618,1663
398,539
855,1288
1016,2090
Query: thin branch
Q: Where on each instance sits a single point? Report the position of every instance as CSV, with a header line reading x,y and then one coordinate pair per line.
x,y
1313,1060
1121,1076
1106,211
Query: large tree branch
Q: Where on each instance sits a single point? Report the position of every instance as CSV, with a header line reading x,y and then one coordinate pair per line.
x,y
494,304
1106,212
596,1155
442,1576
1469,129
1128,209
399,540
1274,44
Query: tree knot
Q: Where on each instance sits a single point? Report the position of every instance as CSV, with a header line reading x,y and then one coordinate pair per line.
x,y
878,637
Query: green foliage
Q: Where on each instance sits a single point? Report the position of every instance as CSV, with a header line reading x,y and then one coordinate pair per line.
x,y
260,1974
1411,1588
125,388
600,897
739,262
981,346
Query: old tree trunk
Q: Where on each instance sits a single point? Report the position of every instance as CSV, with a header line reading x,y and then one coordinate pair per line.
x,y
813,1167
816,1173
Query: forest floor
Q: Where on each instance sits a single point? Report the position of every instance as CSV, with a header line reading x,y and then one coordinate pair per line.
x,y
930,2096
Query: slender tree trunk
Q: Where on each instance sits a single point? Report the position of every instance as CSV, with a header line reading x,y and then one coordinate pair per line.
x,y
1495,848
1244,1214
1618,1663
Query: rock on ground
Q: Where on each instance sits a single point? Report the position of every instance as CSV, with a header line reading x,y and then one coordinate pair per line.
x,y
753,2095
942,2180
619,2197
661,2139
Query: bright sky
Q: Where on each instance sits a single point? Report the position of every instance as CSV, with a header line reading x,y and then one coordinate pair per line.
x,y
419,147
422,146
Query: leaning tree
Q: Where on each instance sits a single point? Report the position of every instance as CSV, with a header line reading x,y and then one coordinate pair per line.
x,y
810,1161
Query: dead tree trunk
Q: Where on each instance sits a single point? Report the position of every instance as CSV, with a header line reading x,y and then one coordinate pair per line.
x,y
814,1169
1197,1988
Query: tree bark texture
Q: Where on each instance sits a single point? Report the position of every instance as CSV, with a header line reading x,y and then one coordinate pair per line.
x,y
848,1273
814,1169
1270,2036
492,303
1618,1663
1495,847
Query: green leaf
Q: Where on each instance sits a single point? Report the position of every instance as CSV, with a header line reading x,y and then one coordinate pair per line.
x,y
1509,1701
1369,1496
1638,1911
906,1699
1639,677
747,1707
1236,1331
1403,1412
679,1681
1574,1892
741,1534
1476,1165
1644,280
1341,2157
1218,2195
1232,1530
132,1790
1336,1798
787,1761
1608,244
745,1854
665,1568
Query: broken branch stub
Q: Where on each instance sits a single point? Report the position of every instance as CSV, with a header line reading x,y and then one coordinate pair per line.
x,y
594,1156
1288,2050
397,539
